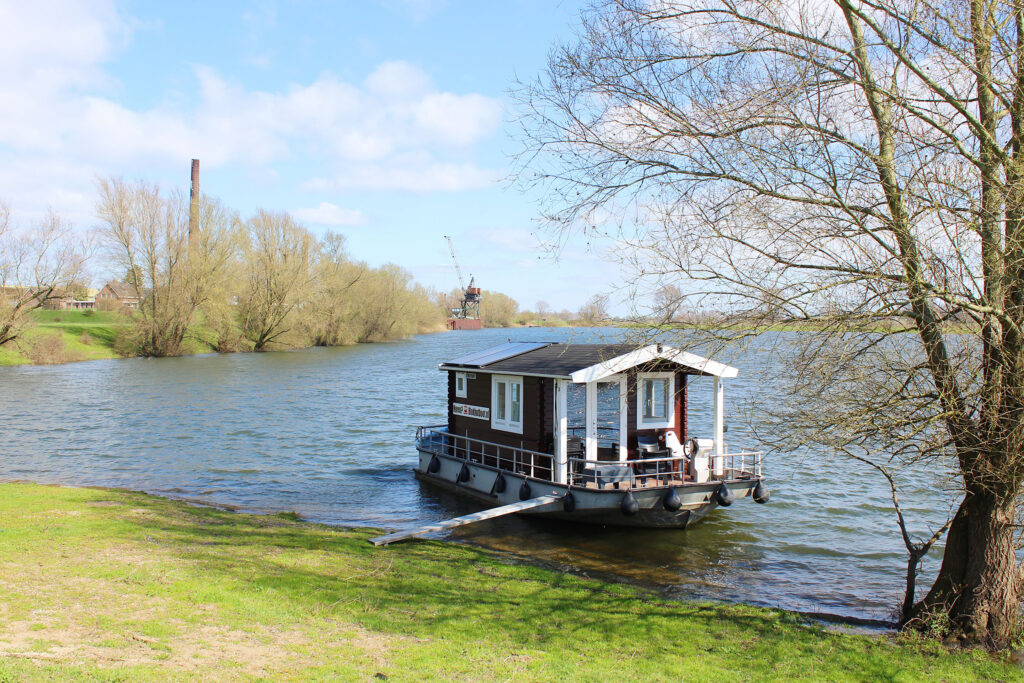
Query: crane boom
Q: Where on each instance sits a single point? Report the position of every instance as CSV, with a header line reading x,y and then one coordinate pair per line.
x,y
458,271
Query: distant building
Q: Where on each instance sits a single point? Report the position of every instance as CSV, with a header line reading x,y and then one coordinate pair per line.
x,y
117,294
57,300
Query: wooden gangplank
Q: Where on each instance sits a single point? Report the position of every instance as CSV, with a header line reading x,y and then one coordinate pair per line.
x,y
528,504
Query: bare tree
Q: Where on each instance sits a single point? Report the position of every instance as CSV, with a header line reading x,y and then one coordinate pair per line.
x,y
498,310
278,257
669,299
147,234
330,315
857,166
36,266
389,305
595,310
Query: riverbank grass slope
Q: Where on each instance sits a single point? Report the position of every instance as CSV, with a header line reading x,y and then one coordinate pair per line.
x,y
113,585
64,336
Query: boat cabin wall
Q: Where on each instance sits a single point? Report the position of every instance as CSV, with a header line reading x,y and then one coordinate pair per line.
x,y
537,412
680,400
538,407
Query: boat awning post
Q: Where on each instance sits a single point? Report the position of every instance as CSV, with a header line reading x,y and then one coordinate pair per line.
x,y
719,425
561,431
591,420
623,421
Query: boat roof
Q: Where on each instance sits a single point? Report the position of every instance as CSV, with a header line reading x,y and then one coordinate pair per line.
x,y
581,362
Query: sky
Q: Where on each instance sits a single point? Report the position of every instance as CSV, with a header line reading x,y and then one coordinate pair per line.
x,y
389,121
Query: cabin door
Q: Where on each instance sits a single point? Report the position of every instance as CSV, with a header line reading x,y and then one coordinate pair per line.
x,y
606,419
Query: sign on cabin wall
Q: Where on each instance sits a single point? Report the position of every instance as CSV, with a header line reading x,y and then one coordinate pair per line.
x,y
471,411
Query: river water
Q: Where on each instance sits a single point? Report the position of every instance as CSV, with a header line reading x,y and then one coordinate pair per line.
x,y
328,433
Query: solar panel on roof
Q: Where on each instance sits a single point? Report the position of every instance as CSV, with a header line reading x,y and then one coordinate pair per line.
x,y
495,353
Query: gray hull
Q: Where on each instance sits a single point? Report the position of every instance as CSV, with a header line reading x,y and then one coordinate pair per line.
x,y
592,506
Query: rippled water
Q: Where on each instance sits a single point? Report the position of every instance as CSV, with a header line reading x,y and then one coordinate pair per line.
x,y
328,433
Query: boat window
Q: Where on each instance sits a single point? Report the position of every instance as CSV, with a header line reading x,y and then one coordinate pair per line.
x,y
515,400
507,403
460,385
654,395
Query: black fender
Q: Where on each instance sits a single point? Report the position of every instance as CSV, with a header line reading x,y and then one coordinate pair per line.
x,y
629,506
499,484
723,496
464,473
672,501
435,465
569,502
761,493
524,491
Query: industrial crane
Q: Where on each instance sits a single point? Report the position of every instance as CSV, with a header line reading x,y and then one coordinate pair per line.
x,y
471,296
458,271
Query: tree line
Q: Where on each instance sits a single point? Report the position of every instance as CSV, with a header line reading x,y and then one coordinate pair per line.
x,y
257,284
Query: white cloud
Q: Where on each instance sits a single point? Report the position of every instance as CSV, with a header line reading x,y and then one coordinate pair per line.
x,y
329,214
399,81
60,109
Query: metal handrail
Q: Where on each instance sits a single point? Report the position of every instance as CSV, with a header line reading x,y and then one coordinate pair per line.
x,y
733,466
436,439
509,458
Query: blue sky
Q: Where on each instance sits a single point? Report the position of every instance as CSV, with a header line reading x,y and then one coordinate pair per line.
x,y
386,120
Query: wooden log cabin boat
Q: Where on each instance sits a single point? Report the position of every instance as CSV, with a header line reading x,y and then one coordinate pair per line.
x,y
599,431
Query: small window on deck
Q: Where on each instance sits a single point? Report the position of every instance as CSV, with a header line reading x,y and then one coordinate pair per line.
x,y
507,403
654,398
460,385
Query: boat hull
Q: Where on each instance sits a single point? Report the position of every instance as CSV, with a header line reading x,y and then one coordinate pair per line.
x,y
590,506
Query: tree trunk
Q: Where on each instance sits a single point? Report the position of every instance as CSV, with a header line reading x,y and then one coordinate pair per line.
x,y
907,609
977,586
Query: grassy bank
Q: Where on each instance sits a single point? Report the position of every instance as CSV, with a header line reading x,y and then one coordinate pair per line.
x,y
65,336
102,585
68,336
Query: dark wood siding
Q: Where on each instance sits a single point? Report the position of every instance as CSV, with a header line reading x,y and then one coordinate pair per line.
x,y
537,410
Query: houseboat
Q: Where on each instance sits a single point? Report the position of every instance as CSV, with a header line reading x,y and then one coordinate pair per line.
x,y
594,433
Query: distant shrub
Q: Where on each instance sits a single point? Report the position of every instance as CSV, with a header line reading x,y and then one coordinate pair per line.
x,y
56,318
85,339
48,350
89,313
128,342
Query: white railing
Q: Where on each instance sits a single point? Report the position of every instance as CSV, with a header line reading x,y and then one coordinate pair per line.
x,y
648,472
742,465
436,439
636,473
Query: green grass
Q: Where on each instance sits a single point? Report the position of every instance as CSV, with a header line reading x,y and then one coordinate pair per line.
x,y
62,336
112,585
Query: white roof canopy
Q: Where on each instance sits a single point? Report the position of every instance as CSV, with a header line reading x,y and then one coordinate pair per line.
x,y
648,354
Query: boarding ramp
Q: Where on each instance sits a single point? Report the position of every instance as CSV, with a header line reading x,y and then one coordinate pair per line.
x,y
521,506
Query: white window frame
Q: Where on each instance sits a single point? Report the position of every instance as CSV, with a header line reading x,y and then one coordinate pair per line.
x,y
670,401
498,422
465,380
